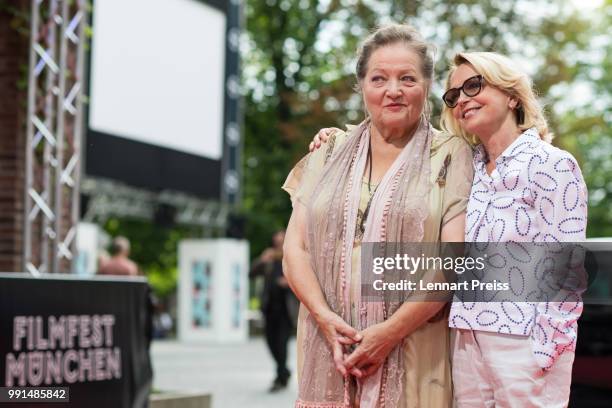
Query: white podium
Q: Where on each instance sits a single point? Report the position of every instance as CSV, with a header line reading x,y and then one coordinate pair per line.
x,y
213,290
88,243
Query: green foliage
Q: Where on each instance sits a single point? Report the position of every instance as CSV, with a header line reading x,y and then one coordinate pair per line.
x,y
298,59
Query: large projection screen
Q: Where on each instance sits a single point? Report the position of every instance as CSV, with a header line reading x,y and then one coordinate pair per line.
x,y
157,81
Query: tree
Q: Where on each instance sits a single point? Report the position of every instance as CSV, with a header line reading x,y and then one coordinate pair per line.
x,y
298,77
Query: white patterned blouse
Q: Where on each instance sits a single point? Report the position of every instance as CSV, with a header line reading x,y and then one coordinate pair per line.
x,y
536,193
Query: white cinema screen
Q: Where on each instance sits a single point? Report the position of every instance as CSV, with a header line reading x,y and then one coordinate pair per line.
x,y
157,73
157,77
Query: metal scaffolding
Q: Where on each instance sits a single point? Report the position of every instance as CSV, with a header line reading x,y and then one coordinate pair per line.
x,y
55,115
231,190
53,134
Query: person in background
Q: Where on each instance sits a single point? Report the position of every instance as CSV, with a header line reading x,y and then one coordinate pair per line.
x,y
119,263
102,258
277,303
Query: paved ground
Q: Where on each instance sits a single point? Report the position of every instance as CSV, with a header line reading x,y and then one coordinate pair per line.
x,y
239,375
235,375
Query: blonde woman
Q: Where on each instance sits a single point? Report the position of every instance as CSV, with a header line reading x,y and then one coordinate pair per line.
x,y
524,190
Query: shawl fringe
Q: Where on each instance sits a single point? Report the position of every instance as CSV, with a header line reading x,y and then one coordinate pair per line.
x,y
308,404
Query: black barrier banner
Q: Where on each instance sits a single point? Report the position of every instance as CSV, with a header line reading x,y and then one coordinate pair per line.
x,y
91,336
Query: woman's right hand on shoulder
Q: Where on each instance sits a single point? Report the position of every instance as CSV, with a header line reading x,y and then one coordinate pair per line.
x,y
338,334
321,137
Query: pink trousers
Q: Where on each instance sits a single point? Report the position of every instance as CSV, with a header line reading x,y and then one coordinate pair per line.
x,y
499,370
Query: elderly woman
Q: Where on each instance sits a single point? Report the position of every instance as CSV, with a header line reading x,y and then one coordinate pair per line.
x,y
392,178
525,190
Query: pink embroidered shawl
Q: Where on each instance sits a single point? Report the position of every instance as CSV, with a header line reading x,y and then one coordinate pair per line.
x,y
397,214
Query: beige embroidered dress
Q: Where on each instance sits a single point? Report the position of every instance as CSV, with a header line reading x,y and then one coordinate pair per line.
x,y
426,351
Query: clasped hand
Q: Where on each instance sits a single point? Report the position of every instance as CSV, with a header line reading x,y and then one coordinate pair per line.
x,y
357,353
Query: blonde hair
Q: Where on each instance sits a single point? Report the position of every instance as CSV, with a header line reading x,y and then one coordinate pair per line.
x,y
502,73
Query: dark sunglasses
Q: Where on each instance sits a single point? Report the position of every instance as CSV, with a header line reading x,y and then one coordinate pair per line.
x,y
471,87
